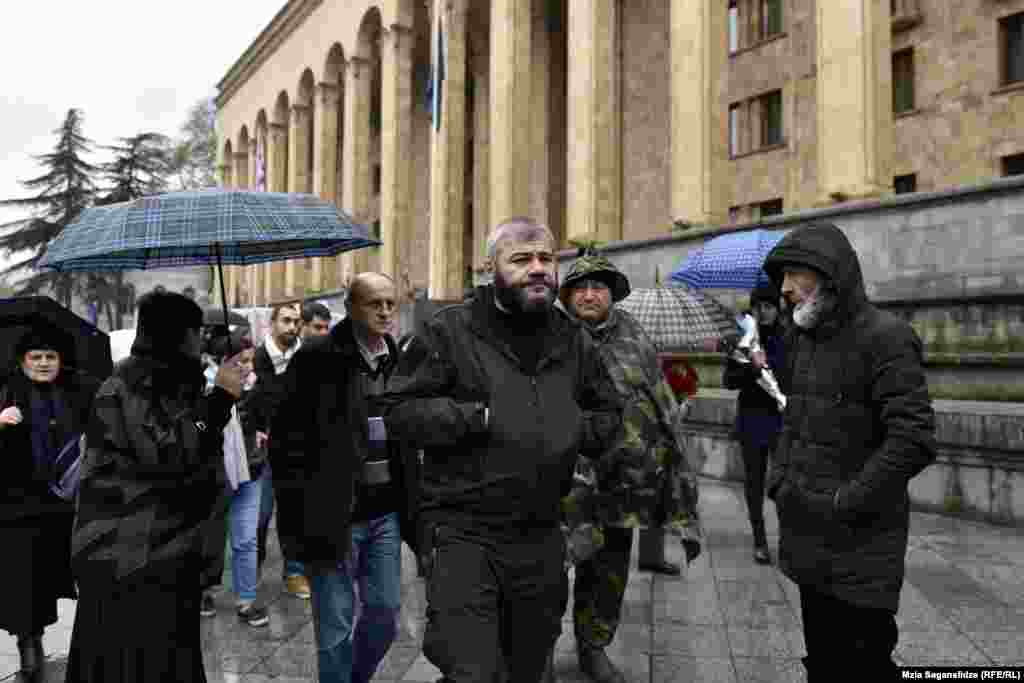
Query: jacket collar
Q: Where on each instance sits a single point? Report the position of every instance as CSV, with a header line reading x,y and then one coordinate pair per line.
x,y
476,313
343,340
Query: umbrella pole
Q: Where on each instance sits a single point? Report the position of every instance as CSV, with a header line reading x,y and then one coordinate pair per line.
x,y
223,293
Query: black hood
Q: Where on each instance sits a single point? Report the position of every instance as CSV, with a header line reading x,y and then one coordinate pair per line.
x,y
826,249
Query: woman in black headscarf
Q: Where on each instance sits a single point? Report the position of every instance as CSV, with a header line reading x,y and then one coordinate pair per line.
x,y
44,405
151,476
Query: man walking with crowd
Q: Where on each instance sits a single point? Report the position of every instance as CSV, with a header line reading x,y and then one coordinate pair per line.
x,y
652,414
512,390
340,484
316,320
858,426
270,363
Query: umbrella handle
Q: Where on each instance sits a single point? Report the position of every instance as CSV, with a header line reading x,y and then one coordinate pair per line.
x,y
223,295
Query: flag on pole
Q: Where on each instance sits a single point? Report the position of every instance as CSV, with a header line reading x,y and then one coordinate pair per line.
x,y
261,167
435,88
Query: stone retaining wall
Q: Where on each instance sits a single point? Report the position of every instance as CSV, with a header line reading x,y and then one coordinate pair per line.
x,y
979,472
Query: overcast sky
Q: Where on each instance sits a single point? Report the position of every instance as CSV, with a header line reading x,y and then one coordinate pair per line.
x,y
131,66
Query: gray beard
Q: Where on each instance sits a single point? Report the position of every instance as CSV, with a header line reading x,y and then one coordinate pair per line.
x,y
809,313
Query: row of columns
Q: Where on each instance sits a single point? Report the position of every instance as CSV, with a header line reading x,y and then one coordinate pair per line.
x,y
512,81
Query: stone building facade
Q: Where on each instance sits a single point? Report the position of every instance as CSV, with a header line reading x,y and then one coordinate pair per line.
x,y
608,119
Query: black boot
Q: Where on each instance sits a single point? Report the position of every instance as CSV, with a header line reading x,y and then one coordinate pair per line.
x,y
30,649
595,663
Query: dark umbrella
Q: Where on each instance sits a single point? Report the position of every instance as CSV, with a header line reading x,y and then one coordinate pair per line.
x,y
680,318
215,316
90,346
177,229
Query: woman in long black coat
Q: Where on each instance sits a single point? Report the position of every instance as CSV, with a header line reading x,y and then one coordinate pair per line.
x,y
152,473
44,405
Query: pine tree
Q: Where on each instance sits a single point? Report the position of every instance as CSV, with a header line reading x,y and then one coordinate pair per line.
x,y
140,167
62,192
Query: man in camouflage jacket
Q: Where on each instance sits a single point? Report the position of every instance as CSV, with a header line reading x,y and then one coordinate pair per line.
x,y
644,481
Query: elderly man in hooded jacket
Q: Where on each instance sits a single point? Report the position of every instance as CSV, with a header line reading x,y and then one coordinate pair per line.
x,y
650,451
858,426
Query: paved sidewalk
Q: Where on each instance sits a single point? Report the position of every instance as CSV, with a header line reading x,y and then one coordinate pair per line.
x,y
726,621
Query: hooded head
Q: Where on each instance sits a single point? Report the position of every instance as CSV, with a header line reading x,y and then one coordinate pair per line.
x,y
823,251
588,304
167,321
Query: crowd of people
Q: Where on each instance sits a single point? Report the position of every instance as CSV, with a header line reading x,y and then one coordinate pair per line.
x,y
525,430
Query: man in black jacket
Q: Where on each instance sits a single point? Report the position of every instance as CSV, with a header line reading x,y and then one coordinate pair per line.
x,y
758,419
511,392
858,426
340,486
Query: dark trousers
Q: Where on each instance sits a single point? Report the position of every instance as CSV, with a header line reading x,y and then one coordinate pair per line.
x,y
838,633
492,600
755,462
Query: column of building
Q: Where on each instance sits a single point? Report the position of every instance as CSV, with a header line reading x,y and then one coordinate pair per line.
x,y
396,157
277,181
251,273
448,158
854,97
325,154
298,181
234,274
510,86
699,53
594,206
355,167
480,64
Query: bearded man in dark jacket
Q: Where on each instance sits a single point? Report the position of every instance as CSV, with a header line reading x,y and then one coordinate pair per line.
x,y
858,426
511,392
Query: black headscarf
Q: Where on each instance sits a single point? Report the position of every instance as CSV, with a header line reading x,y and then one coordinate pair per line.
x,y
164,319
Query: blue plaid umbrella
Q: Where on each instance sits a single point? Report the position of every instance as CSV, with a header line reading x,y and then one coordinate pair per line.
x,y
178,229
681,318
732,261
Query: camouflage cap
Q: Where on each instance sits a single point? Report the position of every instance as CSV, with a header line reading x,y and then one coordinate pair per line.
x,y
593,266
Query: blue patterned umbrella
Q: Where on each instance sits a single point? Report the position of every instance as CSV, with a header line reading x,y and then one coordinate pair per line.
x,y
732,261
178,229
680,318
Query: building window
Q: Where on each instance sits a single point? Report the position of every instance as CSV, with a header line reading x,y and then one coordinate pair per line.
x,y
903,184
771,118
903,81
1013,165
1011,40
734,130
771,18
772,207
376,179
734,25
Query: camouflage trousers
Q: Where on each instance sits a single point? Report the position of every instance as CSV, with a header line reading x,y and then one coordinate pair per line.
x,y
601,581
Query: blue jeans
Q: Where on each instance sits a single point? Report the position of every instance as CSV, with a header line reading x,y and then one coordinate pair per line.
x,y
243,519
345,653
291,567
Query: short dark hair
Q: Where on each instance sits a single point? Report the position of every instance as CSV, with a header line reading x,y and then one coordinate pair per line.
x,y
278,307
315,309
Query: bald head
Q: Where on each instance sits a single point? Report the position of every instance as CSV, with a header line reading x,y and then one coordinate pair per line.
x,y
371,303
519,230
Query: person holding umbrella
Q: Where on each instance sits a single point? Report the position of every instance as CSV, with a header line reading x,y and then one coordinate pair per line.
x,y
758,420
44,407
152,474
652,416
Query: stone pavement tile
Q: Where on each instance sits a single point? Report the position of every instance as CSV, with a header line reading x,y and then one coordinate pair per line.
x,y
916,613
699,606
692,640
297,660
396,663
8,665
636,611
634,665
764,642
769,670
937,648
947,587
57,639
676,669
756,603
236,657
1005,648
994,617
215,676
1005,581
421,671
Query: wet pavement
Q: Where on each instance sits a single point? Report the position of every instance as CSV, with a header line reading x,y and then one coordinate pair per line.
x,y
727,620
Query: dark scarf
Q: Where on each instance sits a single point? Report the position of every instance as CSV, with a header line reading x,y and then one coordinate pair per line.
x,y
48,424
